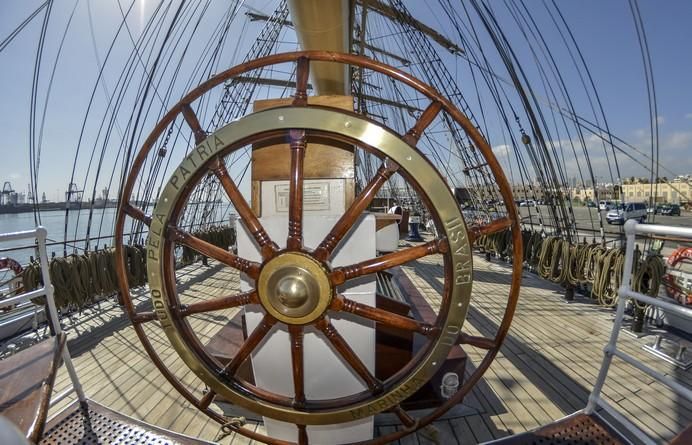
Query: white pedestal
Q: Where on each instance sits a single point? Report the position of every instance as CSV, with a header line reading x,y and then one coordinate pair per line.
x,y
326,374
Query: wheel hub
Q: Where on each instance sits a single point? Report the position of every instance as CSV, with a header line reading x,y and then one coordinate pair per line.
x,y
294,288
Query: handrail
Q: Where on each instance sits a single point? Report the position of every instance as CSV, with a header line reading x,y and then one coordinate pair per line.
x,y
632,228
40,234
24,234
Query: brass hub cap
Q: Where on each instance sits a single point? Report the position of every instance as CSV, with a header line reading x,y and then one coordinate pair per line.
x,y
294,288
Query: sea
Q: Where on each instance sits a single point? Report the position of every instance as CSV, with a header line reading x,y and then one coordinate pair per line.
x,y
102,227
54,222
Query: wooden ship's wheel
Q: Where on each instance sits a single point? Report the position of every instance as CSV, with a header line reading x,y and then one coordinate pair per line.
x,y
296,286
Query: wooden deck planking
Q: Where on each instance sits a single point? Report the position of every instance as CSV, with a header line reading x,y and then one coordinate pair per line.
x,y
544,371
534,329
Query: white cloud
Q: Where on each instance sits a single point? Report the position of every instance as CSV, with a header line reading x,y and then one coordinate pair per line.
x,y
660,120
501,150
678,140
688,116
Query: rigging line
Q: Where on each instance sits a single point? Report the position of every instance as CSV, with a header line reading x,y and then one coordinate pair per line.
x,y
222,35
147,40
7,40
263,46
549,90
507,54
213,64
583,122
485,69
399,96
490,82
495,90
650,89
215,59
586,124
548,163
524,171
83,128
567,98
154,168
113,121
37,154
149,81
124,78
212,187
101,80
473,73
442,84
138,130
33,168
589,76
545,50
421,45
145,197
226,109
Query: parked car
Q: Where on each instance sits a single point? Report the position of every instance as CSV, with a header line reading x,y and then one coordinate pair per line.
x,y
528,203
591,204
671,210
605,205
625,211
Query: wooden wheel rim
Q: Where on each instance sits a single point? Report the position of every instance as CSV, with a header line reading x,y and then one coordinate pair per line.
x,y
369,134
126,208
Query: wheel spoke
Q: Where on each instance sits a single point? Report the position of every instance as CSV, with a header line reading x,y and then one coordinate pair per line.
x,y
405,418
341,228
295,206
143,317
216,304
250,344
296,334
136,213
347,353
493,226
479,342
387,261
413,135
302,75
193,123
267,246
302,435
251,268
341,303
206,400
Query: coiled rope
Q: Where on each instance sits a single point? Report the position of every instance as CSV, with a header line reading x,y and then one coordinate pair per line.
x,y
79,280
568,264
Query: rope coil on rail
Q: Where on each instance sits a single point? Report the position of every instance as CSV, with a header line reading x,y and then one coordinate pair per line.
x,y
79,280
590,264
220,236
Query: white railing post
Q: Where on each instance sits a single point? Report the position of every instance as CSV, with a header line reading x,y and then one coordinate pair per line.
x,y
41,235
610,348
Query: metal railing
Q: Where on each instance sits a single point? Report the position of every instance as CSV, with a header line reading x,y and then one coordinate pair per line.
x,y
632,229
40,234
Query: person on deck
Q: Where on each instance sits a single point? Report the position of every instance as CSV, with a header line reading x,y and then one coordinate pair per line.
x,y
396,210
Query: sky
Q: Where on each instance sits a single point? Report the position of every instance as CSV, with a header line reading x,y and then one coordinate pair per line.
x,y
604,31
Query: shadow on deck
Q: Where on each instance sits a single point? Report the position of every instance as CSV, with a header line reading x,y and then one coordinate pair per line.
x,y
544,371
